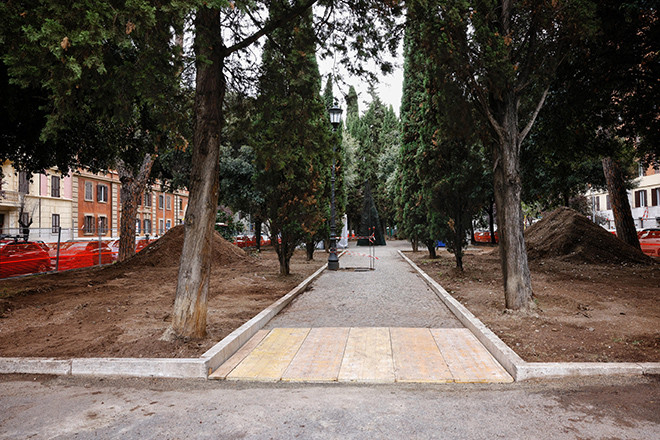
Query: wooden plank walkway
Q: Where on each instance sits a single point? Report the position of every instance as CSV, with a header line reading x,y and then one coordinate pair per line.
x,y
363,355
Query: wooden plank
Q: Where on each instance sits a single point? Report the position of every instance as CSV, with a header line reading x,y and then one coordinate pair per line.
x,y
319,357
368,356
467,358
417,357
269,360
223,370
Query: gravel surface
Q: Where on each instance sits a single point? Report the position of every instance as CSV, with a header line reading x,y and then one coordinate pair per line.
x,y
392,295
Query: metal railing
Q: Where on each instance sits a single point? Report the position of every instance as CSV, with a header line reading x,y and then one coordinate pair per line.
x,y
25,251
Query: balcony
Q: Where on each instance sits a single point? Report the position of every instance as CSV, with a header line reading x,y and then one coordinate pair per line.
x,y
10,199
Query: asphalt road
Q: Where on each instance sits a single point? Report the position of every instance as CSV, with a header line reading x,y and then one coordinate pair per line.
x,y
40,407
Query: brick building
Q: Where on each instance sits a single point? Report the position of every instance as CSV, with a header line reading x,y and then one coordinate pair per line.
x,y
83,204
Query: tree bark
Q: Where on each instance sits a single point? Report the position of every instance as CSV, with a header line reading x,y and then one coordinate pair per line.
x,y
257,232
491,222
415,244
507,185
430,245
309,247
190,305
131,188
623,219
284,253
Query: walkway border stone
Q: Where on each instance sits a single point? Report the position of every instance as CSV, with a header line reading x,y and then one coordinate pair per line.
x,y
518,368
185,368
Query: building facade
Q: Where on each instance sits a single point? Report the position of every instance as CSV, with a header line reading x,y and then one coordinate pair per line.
x,y
83,205
644,201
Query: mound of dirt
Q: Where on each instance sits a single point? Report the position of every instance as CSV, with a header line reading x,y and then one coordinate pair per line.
x,y
166,251
568,235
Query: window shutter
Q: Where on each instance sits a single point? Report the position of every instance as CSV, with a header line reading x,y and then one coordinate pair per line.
x,y
637,194
654,196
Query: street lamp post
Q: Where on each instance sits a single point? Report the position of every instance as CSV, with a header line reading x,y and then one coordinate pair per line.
x,y
333,261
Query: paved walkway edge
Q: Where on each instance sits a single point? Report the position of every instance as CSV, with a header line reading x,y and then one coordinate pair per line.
x,y
185,368
514,364
224,349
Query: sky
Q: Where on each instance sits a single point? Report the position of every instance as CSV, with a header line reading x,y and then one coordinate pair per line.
x,y
389,87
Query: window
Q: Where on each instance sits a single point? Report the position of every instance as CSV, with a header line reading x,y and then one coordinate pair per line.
x,y
102,193
103,225
160,201
608,202
168,225
160,226
89,188
138,223
180,204
147,226
169,202
640,198
23,183
88,226
54,186
597,202
655,196
55,224
147,199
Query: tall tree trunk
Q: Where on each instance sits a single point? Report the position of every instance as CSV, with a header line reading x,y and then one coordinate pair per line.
x,y
507,185
131,188
190,305
415,244
491,221
257,232
623,219
284,252
430,245
309,247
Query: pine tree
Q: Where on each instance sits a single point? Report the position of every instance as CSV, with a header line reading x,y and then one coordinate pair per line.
x,y
293,152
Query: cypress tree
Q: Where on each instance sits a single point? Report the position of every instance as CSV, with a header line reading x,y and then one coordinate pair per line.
x,y
293,152
411,207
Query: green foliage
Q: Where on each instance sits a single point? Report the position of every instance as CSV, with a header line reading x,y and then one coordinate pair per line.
x,y
228,228
293,151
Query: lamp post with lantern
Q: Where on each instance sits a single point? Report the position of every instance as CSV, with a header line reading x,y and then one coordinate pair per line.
x,y
333,260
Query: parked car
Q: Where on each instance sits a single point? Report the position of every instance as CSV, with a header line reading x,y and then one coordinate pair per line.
x,y
22,257
484,236
77,254
649,240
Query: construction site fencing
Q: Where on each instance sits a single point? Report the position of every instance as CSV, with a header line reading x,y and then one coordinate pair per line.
x,y
25,251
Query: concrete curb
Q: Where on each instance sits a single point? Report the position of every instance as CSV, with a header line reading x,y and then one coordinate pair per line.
x,y
514,364
184,368
224,349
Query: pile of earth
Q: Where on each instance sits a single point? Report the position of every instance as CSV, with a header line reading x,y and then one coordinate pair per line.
x,y
166,251
568,235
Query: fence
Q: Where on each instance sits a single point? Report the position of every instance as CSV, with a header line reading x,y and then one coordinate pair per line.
x,y
26,251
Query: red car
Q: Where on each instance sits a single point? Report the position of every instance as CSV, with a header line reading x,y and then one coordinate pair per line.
x,y
649,240
484,236
22,257
77,254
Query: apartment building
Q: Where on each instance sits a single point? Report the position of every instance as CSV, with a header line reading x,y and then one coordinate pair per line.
x,y
644,201
83,204
42,201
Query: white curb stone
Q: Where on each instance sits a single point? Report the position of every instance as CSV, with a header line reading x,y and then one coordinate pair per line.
x,y
514,364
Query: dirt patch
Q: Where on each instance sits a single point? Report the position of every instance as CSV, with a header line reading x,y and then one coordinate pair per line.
x,y
122,310
567,234
586,312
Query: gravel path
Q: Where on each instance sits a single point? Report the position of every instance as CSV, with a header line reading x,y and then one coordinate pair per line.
x,y
392,295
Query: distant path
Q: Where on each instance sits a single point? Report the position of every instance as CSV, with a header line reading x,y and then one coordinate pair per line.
x,y
393,295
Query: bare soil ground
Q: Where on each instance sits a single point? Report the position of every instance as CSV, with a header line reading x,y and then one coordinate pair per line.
x,y
587,309
122,310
